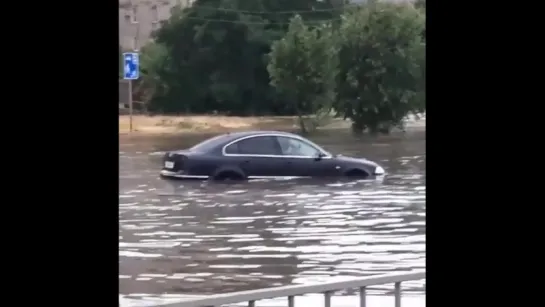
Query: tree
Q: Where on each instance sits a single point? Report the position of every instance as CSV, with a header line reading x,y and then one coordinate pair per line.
x,y
421,4
303,67
153,62
217,55
381,53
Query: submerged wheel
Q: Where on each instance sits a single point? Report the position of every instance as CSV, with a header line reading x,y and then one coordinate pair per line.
x,y
228,175
356,173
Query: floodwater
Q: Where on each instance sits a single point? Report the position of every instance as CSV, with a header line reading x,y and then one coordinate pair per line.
x,y
180,239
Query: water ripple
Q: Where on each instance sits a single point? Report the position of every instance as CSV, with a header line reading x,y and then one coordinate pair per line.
x,y
196,238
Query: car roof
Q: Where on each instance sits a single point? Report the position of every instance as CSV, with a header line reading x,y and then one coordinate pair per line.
x,y
222,139
249,133
236,135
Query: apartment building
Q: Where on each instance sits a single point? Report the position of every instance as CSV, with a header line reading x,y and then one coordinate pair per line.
x,y
138,18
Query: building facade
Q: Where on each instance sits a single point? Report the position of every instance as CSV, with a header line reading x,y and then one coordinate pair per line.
x,y
139,18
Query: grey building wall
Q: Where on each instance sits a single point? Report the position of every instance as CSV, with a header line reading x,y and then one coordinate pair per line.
x,y
138,18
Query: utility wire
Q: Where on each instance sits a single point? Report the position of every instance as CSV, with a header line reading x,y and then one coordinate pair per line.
x,y
258,23
294,12
340,8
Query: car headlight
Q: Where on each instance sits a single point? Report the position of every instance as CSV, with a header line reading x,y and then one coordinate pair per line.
x,y
379,170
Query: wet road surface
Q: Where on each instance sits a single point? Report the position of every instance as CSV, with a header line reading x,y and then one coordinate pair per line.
x,y
180,238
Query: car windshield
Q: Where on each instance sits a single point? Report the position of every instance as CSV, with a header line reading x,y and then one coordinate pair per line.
x,y
206,145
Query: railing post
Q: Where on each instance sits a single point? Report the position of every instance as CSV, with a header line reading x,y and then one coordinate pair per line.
x,y
291,301
397,293
363,298
327,299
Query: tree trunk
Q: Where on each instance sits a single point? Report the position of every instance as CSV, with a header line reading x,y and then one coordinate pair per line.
x,y
357,126
301,120
302,124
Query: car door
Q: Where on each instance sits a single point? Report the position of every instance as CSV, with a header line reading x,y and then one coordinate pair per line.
x,y
257,156
301,159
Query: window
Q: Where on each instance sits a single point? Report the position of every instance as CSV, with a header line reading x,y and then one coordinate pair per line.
x,y
134,15
154,14
260,145
295,147
232,149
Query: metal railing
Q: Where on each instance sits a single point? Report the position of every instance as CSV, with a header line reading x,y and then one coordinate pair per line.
x,y
291,291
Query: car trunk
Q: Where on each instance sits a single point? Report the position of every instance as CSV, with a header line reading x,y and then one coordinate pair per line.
x,y
174,161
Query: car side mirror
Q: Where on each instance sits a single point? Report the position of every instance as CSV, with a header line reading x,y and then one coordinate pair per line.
x,y
319,156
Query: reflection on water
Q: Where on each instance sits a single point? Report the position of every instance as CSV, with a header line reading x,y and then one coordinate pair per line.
x,y
194,238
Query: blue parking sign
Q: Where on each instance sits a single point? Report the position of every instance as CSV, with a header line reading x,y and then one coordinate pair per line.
x,y
130,66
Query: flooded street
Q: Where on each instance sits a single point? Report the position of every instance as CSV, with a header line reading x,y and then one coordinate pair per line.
x,y
181,238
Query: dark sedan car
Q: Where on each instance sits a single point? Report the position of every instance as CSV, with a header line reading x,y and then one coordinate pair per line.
x,y
262,154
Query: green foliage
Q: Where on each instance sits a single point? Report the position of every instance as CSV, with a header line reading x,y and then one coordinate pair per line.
x,y
153,61
216,59
420,4
381,54
247,57
303,67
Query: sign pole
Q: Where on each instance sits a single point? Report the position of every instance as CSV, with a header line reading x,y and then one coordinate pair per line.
x,y
130,106
131,70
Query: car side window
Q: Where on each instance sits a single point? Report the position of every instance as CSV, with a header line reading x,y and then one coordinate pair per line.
x,y
232,149
259,145
295,147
